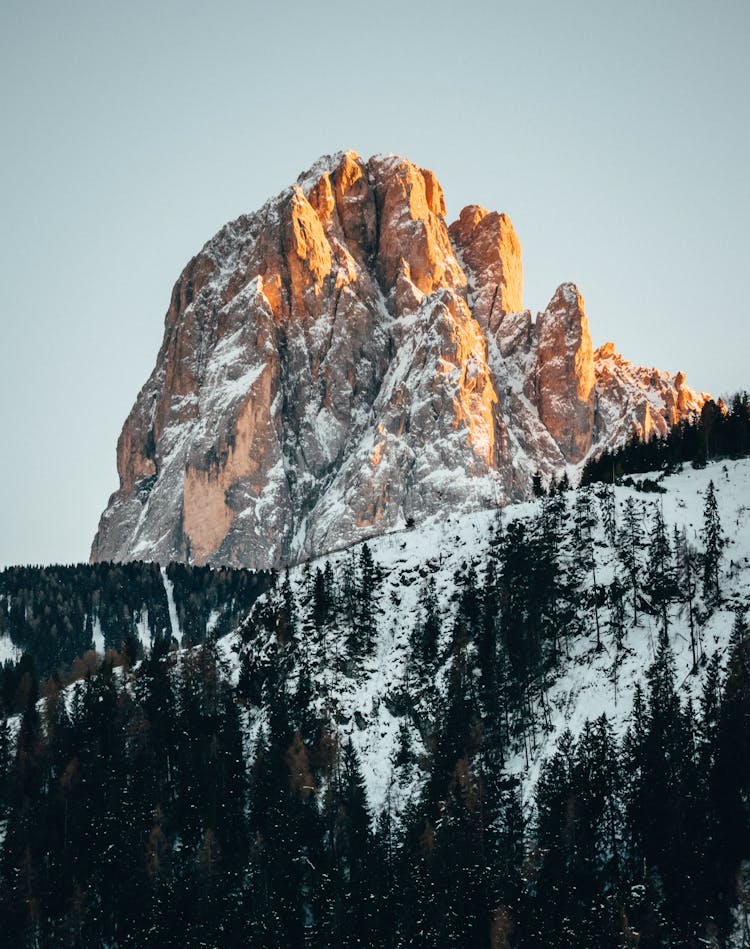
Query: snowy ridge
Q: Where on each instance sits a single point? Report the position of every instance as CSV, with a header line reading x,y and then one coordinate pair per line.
x,y
366,707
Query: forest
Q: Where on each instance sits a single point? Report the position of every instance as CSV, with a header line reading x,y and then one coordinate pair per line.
x,y
215,795
720,431
54,615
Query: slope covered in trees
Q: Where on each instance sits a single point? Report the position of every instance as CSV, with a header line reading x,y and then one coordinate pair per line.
x,y
55,614
524,730
720,431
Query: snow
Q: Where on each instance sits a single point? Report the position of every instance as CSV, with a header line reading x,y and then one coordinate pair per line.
x,y
142,628
9,652
174,623
325,165
98,635
362,706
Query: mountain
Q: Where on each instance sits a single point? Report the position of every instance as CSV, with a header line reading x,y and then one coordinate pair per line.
x,y
343,362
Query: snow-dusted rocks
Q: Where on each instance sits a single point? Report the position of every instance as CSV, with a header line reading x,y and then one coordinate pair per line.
x,y
341,361
635,399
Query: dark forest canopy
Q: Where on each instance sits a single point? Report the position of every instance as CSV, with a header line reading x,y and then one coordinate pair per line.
x,y
52,614
720,431
187,798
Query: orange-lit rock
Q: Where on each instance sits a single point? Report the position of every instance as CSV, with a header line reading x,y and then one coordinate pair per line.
x,y
341,361
410,229
308,253
635,399
565,373
433,193
491,250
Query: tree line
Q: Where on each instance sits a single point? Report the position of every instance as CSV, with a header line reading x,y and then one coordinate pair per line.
x,y
51,614
720,431
183,799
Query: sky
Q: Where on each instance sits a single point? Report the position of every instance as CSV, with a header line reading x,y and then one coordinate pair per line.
x,y
615,135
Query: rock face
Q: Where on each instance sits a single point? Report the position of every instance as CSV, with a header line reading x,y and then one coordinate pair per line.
x,y
491,251
342,361
565,378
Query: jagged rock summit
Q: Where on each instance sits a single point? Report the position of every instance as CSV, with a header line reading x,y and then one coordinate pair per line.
x,y
342,361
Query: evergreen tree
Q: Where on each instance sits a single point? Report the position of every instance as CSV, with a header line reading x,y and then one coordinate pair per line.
x,y
731,777
286,623
609,514
713,543
537,486
631,542
686,560
660,573
428,630
369,580
322,605
355,862
585,523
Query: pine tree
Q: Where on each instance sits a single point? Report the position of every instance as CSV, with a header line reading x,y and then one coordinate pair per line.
x,y
664,813
354,857
616,603
5,766
428,629
368,582
286,622
585,522
733,753
686,560
660,575
713,543
631,542
321,600
609,514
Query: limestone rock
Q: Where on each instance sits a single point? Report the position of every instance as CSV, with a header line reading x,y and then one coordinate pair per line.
x,y
633,399
341,361
565,373
491,251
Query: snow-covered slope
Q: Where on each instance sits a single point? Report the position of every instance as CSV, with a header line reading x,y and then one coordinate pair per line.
x,y
342,362
370,702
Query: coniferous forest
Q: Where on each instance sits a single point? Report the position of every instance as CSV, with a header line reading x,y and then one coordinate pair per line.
x,y
720,431
54,615
217,794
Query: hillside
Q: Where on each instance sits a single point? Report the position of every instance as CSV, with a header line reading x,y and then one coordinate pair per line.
x,y
406,739
456,552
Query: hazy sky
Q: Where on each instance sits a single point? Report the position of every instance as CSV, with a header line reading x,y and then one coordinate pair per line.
x,y
615,135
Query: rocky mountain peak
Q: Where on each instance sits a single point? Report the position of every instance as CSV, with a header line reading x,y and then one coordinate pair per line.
x,y
491,252
342,362
565,373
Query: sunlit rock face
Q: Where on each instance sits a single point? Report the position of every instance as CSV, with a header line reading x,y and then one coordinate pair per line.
x,y
565,373
342,361
633,399
491,252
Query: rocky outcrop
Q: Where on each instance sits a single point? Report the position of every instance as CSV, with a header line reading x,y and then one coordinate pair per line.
x,y
565,377
633,399
491,252
342,361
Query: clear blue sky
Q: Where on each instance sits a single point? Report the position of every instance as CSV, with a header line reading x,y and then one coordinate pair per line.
x,y
614,134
